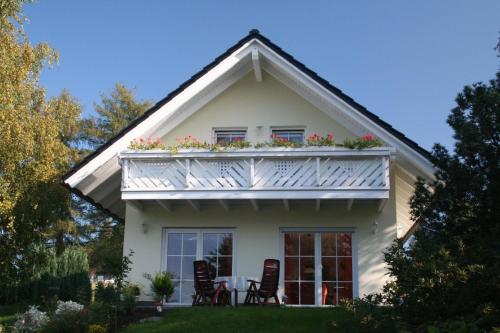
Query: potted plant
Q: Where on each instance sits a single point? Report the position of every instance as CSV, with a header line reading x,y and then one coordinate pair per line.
x,y
162,287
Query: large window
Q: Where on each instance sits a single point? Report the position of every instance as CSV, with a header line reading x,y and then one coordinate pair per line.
x,y
318,267
228,136
292,135
184,246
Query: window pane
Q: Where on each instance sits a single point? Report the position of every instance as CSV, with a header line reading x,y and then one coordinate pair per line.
x,y
292,244
187,292
187,267
291,268
345,291
307,293
226,137
328,294
209,244
344,244
296,136
328,244
189,244
329,269
176,295
225,266
345,269
212,265
225,244
292,292
174,266
307,269
174,242
306,244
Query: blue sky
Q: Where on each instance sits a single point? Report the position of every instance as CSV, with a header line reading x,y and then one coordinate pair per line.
x,y
403,60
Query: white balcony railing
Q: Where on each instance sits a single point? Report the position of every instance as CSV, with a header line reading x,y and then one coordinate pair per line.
x,y
254,173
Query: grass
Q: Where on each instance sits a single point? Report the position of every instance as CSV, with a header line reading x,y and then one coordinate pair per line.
x,y
243,320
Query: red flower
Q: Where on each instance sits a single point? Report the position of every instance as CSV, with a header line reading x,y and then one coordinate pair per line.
x,y
368,137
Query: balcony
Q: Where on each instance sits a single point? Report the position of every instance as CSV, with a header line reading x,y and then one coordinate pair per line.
x,y
271,173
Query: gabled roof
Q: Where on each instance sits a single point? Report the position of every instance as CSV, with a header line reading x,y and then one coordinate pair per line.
x,y
253,35
257,35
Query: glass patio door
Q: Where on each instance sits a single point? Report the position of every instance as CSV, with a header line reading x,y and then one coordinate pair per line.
x,y
318,267
182,247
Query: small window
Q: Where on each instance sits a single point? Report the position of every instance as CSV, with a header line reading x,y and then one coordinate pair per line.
x,y
224,137
292,135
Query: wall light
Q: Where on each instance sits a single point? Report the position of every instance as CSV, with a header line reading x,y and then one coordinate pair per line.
x,y
145,228
374,227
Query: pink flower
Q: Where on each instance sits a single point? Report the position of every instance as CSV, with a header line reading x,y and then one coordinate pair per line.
x,y
368,137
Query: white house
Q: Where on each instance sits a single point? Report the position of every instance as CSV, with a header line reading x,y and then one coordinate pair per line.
x,y
326,212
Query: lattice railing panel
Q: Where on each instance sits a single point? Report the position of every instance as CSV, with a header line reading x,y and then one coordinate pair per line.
x,y
351,173
156,174
285,173
219,174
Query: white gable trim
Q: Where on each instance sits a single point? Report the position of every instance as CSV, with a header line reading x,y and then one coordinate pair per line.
x,y
160,115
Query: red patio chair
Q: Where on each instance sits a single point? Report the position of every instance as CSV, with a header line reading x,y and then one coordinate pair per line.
x,y
206,292
268,286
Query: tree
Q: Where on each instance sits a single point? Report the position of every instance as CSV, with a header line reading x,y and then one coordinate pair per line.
x,y
34,145
452,270
105,236
113,114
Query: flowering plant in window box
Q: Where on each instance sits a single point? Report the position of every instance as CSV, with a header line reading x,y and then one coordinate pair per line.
x,y
278,141
366,141
235,144
146,144
318,140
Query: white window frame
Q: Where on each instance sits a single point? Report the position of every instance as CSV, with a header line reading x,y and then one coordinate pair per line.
x,y
317,260
215,130
290,129
199,248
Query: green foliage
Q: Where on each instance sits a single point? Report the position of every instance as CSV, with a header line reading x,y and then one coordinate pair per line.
x,y
106,294
106,250
96,328
115,112
100,314
75,322
162,285
449,276
129,298
64,277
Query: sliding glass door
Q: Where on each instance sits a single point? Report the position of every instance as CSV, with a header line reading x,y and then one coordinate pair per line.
x,y
183,246
318,267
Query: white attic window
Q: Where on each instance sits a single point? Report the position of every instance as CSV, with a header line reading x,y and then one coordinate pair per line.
x,y
295,135
224,136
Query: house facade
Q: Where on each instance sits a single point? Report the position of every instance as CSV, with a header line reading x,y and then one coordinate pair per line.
x,y
250,159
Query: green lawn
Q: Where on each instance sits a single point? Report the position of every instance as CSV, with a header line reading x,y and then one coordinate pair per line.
x,y
243,319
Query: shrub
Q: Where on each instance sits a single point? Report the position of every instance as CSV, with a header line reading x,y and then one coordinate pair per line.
x,y
100,314
69,317
31,321
128,301
64,277
162,285
105,293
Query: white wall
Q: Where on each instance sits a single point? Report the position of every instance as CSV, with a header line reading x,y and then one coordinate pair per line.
x,y
251,104
257,234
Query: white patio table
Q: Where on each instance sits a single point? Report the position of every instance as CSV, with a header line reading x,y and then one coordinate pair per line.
x,y
236,284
